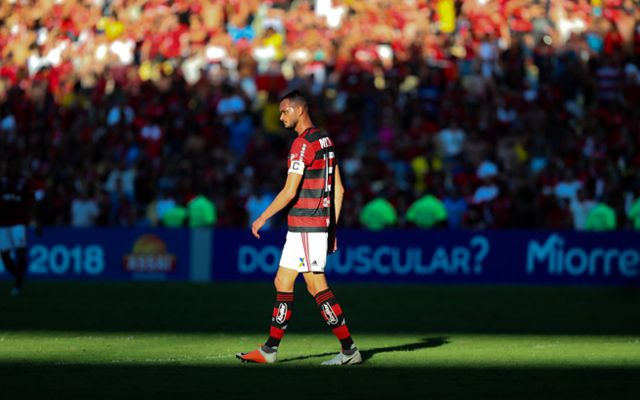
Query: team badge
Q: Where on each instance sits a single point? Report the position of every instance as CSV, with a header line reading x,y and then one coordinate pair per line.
x,y
332,318
282,313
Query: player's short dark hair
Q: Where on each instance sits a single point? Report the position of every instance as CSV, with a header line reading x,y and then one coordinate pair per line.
x,y
296,98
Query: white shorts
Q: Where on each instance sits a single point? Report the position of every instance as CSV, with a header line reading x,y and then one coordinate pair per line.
x,y
305,251
13,237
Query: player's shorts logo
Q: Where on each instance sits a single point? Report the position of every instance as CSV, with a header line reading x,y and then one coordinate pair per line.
x,y
331,317
301,262
281,317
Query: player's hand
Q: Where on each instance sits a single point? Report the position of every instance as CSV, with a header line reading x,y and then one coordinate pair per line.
x,y
257,224
333,249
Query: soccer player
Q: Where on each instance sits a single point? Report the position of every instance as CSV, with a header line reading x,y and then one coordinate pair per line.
x,y
315,189
16,195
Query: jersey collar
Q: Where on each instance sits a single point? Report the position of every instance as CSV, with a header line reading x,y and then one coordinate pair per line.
x,y
308,131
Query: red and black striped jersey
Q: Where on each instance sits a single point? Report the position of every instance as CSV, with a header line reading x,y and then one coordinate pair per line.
x,y
16,196
314,157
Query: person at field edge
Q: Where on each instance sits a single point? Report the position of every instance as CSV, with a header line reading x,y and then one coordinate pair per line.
x,y
17,196
428,212
634,212
378,214
314,187
201,212
602,217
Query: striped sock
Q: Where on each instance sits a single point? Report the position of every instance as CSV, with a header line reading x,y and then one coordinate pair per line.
x,y
332,313
279,321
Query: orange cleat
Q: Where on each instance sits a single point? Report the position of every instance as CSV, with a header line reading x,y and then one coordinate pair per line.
x,y
257,356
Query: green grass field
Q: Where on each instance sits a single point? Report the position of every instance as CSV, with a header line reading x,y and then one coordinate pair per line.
x,y
166,341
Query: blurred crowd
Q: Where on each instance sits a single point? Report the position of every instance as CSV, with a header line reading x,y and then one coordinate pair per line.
x,y
512,113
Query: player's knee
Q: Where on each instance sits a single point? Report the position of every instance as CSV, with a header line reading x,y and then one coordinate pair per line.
x,y
282,285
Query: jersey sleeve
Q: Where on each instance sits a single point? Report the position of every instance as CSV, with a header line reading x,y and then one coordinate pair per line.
x,y
301,156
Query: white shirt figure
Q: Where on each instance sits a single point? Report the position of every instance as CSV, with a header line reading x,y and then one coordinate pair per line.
x,y
118,113
568,188
451,140
83,212
230,105
486,169
127,178
580,209
255,206
163,205
486,192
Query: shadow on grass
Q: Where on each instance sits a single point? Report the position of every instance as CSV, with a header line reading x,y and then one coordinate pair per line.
x,y
425,343
242,381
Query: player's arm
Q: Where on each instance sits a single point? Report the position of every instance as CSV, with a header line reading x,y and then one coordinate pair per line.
x,y
339,193
283,199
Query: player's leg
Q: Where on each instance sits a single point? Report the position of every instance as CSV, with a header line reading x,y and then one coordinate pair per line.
x,y
6,244
333,315
330,309
19,238
8,262
284,282
21,266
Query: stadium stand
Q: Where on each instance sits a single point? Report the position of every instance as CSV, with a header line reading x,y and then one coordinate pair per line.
x,y
513,106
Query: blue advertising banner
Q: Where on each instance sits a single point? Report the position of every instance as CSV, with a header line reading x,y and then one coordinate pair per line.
x,y
108,254
538,257
519,257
